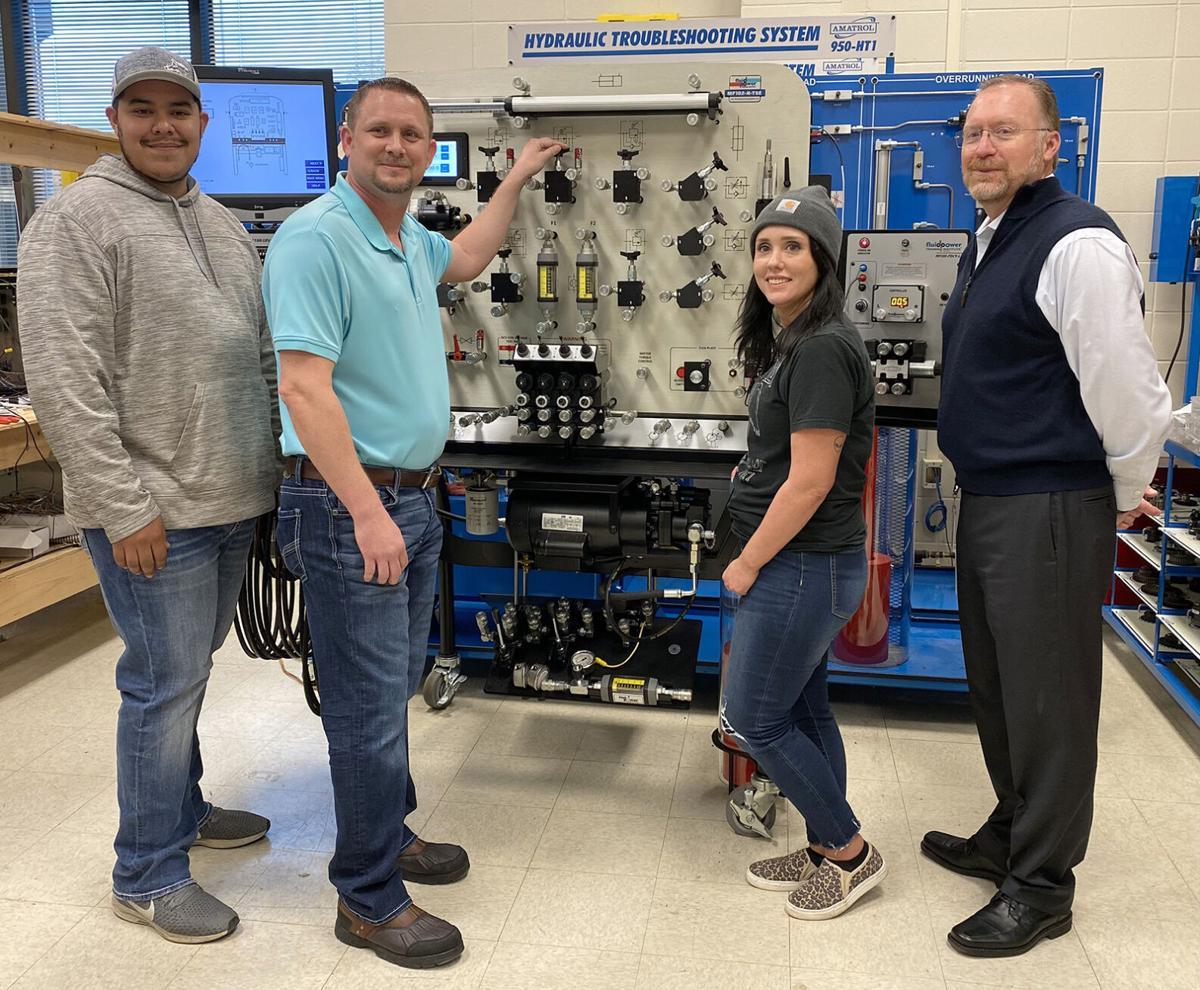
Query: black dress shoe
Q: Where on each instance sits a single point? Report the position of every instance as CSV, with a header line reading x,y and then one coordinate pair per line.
x,y
961,856
1006,928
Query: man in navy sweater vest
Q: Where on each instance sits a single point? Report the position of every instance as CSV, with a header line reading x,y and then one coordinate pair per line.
x,y
1053,414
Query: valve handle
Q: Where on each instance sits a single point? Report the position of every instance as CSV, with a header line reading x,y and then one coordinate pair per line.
x,y
718,217
627,154
631,255
718,163
490,151
716,270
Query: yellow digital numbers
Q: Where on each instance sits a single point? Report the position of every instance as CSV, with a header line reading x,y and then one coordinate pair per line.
x,y
900,302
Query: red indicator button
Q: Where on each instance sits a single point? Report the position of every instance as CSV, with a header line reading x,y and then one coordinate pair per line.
x,y
678,372
864,242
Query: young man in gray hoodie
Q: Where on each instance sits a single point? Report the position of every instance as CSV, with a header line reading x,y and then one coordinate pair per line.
x,y
152,373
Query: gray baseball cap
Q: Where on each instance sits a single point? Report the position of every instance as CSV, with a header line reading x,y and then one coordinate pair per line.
x,y
154,63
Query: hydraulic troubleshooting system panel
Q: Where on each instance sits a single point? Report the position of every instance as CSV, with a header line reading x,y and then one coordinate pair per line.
x,y
607,318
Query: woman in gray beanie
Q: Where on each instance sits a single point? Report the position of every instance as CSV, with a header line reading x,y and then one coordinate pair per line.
x,y
796,505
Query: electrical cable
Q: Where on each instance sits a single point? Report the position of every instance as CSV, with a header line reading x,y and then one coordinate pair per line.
x,y
818,135
1188,250
30,438
270,621
617,666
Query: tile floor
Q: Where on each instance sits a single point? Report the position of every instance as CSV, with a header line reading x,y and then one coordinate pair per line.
x,y
601,856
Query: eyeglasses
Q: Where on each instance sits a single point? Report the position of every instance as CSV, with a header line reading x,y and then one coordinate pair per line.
x,y
971,136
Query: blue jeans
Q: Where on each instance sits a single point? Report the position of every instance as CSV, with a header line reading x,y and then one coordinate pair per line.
x,y
369,645
170,624
776,701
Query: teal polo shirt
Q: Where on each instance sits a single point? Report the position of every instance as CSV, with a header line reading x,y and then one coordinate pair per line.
x,y
334,285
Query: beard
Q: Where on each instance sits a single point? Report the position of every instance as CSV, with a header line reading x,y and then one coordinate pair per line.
x,y
1003,184
395,184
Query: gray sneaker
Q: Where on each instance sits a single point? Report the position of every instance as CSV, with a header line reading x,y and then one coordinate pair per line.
x,y
188,915
229,829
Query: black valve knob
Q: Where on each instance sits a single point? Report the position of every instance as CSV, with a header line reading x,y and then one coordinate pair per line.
x,y
716,270
490,151
504,252
718,163
627,154
631,255
719,217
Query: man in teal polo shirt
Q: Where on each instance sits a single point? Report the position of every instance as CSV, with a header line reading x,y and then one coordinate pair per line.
x,y
350,284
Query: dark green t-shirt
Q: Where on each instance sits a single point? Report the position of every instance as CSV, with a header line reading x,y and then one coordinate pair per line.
x,y
825,383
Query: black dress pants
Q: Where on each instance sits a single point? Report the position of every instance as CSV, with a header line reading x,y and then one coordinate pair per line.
x,y
1033,571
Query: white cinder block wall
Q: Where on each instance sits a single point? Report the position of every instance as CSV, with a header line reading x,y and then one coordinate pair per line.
x,y
1150,52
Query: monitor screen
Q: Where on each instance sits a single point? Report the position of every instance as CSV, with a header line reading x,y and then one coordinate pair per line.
x,y
449,160
266,139
445,161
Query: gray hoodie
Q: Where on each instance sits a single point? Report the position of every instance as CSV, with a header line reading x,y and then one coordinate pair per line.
x,y
147,354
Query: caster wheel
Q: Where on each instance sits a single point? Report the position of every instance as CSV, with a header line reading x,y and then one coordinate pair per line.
x,y
740,829
439,690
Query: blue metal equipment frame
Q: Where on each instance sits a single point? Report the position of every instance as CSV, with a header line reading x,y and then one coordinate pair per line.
x,y
1174,260
908,107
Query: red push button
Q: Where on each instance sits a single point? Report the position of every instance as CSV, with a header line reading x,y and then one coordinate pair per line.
x,y
864,242
678,372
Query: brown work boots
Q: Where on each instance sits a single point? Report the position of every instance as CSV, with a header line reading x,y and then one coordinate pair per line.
x,y
412,938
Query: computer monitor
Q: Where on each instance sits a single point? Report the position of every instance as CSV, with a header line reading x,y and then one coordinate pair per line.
x,y
271,140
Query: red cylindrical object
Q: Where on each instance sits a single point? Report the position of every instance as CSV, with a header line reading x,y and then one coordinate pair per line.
x,y
736,771
864,639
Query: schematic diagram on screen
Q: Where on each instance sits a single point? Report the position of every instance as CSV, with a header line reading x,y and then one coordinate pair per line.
x,y
258,133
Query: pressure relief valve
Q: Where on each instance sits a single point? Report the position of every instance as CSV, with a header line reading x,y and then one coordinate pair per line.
x,y
630,290
558,185
488,181
693,294
627,182
696,240
505,285
699,184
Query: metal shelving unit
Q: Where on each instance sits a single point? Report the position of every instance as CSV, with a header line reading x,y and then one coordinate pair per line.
x,y
1177,670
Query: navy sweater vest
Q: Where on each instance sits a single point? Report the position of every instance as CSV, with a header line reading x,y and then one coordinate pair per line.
x,y
1011,418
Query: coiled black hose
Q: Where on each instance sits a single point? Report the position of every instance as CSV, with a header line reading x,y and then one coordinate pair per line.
x,y
270,620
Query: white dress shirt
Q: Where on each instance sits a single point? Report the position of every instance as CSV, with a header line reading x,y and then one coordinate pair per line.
x,y
1090,292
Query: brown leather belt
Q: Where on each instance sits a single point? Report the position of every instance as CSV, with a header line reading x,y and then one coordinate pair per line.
x,y
386,476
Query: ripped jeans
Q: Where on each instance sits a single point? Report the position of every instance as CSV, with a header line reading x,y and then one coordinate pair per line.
x,y
776,701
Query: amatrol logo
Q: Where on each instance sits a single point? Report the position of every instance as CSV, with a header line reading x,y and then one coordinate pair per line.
x,y
846,65
854,29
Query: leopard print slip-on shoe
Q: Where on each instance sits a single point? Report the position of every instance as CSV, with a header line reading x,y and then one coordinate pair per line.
x,y
788,872
832,890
